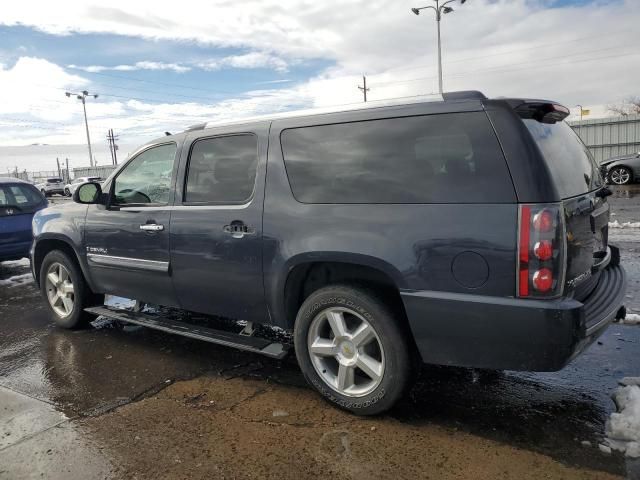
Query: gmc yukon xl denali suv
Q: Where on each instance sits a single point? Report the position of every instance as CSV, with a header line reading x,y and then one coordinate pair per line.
x,y
461,231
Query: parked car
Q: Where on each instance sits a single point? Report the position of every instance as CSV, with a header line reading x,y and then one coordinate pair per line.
x,y
463,231
19,200
51,186
622,170
69,188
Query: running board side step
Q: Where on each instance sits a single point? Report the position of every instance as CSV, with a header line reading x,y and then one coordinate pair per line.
x,y
258,345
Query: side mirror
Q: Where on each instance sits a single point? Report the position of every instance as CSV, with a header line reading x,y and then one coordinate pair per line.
x,y
88,193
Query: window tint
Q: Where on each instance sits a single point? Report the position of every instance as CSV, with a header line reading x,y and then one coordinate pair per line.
x,y
572,166
147,178
222,170
448,158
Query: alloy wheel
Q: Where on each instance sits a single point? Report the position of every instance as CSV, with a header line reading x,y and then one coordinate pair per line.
x,y
620,176
346,352
60,290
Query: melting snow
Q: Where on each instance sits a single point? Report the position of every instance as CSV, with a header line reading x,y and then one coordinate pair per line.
x,y
623,426
616,224
16,263
17,280
631,319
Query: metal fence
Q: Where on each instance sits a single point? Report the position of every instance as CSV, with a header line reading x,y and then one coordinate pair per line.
x,y
102,171
610,137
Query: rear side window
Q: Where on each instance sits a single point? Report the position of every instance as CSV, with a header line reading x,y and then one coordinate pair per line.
x,y
446,158
572,166
222,170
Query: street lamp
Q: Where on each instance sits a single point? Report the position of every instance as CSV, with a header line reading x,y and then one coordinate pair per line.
x,y
581,110
439,9
82,96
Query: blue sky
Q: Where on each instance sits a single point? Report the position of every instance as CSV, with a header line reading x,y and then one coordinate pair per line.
x,y
161,67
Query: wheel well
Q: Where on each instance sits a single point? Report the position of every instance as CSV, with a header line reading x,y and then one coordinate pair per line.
x,y
306,278
45,246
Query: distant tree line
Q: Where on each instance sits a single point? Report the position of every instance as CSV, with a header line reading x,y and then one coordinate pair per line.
x,y
629,106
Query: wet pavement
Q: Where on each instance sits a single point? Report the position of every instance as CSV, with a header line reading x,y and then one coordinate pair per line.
x,y
114,402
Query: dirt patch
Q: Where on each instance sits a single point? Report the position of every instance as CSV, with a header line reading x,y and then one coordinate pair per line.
x,y
244,428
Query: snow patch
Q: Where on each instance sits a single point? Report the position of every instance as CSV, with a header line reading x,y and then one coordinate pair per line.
x,y
119,302
17,280
623,426
24,262
630,319
617,224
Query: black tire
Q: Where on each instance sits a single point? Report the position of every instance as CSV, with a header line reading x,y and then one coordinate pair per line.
x,y
397,376
620,171
83,296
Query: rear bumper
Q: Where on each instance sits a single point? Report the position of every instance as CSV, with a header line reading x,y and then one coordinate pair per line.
x,y
511,334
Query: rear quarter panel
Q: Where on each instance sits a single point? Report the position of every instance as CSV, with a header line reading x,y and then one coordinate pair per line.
x,y
415,245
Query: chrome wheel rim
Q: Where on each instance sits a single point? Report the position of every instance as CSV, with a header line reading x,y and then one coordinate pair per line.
x,y
346,352
620,176
60,291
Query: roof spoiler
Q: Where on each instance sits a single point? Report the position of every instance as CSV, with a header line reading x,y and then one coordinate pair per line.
x,y
541,111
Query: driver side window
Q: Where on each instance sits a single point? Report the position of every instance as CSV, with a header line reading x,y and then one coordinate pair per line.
x,y
147,178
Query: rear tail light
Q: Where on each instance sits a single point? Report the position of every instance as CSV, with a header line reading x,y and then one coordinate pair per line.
x,y
541,251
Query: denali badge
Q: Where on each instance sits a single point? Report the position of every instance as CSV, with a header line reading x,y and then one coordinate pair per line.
x,y
102,251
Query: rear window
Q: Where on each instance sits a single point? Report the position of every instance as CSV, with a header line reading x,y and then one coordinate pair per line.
x,y
446,158
572,166
22,196
54,180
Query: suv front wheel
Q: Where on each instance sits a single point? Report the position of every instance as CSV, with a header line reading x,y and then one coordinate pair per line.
x,y
351,347
63,285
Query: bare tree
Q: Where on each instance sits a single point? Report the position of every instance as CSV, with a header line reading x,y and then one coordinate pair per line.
x,y
630,106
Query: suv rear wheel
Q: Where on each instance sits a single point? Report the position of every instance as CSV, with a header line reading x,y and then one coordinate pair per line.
x,y
352,349
66,291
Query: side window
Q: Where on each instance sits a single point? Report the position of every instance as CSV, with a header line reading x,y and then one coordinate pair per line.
x,y
147,178
24,196
444,158
222,170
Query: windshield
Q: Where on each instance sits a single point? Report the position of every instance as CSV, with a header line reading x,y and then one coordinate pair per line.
x,y
571,164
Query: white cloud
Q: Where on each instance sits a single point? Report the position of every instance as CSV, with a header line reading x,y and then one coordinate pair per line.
x,y
144,65
248,60
581,54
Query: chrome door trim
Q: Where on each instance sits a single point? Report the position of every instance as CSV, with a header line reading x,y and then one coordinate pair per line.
x,y
185,207
126,263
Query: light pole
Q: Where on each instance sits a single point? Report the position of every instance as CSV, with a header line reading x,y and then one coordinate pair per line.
x,y
82,96
581,109
439,9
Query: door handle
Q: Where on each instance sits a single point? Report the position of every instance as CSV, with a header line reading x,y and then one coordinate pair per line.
x,y
152,227
238,230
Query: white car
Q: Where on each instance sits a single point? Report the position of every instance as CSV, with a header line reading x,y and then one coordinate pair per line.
x,y
71,187
51,186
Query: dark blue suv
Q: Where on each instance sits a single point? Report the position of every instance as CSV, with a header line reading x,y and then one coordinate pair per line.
x,y
19,201
462,231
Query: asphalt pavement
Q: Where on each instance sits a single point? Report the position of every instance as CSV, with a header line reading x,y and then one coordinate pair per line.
x,y
119,401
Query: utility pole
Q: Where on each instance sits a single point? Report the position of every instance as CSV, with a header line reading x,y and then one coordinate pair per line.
x,y
113,147
68,176
364,87
82,96
58,163
439,9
